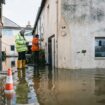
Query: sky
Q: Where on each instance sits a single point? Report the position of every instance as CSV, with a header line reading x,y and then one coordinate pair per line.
x,y
21,11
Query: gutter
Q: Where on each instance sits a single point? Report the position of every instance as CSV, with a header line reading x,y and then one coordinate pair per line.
x,y
38,15
18,28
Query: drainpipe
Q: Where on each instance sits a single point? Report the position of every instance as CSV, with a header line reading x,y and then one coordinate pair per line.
x,y
1,26
0,36
40,30
57,33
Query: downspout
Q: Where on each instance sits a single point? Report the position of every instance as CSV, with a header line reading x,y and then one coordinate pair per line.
x,y
57,33
40,31
0,37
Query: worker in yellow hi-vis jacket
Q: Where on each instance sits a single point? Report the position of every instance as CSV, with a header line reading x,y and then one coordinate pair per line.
x,y
21,47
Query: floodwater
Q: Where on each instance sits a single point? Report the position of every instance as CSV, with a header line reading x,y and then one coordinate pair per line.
x,y
51,86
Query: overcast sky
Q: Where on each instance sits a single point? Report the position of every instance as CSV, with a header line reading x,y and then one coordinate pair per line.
x,y
21,11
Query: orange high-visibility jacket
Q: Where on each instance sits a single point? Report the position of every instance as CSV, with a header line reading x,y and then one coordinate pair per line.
x,y
35,44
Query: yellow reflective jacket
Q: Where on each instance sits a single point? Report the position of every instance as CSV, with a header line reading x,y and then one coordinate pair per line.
x,y
20,43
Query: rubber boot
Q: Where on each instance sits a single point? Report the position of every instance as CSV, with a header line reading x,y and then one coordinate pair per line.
x,y
23,63
19,64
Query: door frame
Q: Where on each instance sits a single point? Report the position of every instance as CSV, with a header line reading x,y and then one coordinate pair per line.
x,y
51,50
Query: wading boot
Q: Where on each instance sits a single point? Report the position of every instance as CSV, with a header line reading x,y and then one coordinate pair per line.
x,y
19,64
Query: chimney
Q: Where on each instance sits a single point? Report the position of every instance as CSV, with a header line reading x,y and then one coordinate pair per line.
x,y
28,25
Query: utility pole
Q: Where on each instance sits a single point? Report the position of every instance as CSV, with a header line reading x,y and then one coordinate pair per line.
x,y
1,26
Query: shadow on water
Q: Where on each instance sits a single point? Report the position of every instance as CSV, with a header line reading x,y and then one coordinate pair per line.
x,y
9,63
22,88
36,77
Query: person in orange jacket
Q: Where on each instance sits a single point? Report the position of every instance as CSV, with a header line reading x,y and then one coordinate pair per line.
x,y
35,49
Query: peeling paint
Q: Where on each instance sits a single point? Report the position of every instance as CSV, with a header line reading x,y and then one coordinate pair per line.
x,y
100,14
71,8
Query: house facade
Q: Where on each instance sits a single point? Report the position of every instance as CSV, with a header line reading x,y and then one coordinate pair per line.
x,y
73,32
10,29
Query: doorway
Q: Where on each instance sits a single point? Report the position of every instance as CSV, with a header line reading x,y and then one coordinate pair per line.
x,y
51,51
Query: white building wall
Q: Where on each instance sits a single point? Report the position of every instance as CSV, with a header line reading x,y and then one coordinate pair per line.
x,y
7,41
85,21
49,26
75,24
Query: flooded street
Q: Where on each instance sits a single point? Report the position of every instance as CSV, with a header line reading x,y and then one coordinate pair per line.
x,y
70,87
58,86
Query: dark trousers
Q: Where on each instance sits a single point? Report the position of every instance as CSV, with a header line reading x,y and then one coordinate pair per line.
x,y
35,57
21,55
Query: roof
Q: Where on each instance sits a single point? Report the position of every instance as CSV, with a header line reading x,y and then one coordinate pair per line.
x,y
38,14
8,23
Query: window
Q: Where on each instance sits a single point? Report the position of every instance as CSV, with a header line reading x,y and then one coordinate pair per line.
x,y
12,63
12,47
100,47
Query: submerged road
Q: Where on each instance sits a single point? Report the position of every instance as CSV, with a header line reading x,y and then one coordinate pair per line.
x,y
49,86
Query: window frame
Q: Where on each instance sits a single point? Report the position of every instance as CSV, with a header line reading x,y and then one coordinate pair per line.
x,y
99,57
12,48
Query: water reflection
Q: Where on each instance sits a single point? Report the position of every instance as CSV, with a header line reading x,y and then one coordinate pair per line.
x,y
9,98
2,94
13,64
50,84
43,84
60,86
36,76
100,86
70,87
9,102
22,88
9,63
